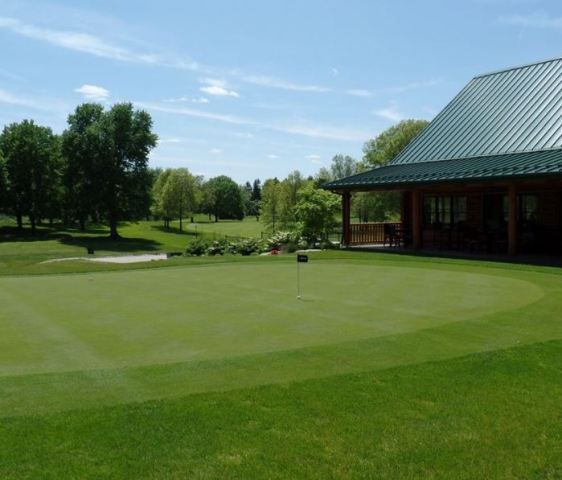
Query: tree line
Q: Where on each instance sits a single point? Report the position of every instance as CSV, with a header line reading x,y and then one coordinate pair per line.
x,y
97,171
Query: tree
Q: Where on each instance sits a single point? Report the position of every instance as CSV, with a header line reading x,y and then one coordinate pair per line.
x,y
225,199
343,166
3,183
30,153
378,152
159,208
383,148
81,149
271,203
289,189
316,211
178,194
256,190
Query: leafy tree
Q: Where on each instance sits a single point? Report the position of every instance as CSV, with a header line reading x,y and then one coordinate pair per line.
x,y
271,203
256,190
289,190
127,141
178,194
343,166
383,148
316,211
159,208
30,153
81,149
224,198
378,152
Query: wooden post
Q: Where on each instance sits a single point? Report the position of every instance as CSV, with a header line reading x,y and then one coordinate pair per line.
x,y
416,220
346,218
512,221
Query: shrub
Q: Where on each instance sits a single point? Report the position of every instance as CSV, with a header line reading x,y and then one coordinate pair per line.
x,y
248,246
217,248
197,248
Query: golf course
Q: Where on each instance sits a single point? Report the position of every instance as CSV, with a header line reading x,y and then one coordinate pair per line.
x,y
389,366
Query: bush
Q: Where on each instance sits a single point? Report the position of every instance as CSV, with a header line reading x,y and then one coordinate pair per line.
x,y
217,248
197,248
248,246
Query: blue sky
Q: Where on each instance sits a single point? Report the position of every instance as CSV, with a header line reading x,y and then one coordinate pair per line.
x,y
260,88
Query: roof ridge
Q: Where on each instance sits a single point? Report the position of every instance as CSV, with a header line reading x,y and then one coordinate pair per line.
x,y
518,67
493,154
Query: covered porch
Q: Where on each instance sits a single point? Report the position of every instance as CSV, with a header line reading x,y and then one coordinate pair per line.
x,y
518,217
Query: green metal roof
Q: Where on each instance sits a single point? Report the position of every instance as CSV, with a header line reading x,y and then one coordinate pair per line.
x,y
502,124
514,110
489,167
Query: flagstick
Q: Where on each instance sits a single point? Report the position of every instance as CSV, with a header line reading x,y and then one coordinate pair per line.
x,y
298,280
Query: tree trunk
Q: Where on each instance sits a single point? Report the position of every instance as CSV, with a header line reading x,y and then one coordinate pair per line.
x,y
181,223
33,223
113,233
20,220
82,224
216,218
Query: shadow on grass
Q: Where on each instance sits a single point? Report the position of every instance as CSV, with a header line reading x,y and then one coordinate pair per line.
x,y
95,238
175,230
97,242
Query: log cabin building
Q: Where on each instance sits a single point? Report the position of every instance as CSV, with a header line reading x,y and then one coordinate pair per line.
x,y
485,175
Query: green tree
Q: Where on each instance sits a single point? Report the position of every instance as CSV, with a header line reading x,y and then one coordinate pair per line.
x,y
288,198
159,208
30,153
224,198
376,153
3,183
178,194
343,166
271,198
81,149
122,166
384,147
316,211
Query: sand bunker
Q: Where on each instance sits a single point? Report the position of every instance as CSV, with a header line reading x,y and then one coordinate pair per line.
x,y
149,257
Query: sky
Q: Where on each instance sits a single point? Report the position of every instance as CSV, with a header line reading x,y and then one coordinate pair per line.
x,y
259,88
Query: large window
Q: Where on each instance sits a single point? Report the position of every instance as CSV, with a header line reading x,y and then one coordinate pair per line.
x,y
444,210
528,206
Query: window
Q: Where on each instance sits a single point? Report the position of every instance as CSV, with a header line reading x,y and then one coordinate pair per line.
x,y
444,210
528,206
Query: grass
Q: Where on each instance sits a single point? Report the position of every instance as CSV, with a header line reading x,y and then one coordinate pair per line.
x,y
391,367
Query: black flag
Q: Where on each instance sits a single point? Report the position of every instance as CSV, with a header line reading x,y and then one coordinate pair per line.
x,y
302,258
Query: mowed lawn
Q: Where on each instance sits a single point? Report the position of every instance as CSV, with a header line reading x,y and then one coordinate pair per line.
x,y
389,367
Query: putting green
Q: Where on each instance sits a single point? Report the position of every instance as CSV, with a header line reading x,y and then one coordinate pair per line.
x,y
121,319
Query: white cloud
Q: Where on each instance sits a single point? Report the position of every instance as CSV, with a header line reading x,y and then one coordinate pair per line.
x,y
191,112
334,71
217,87
390,113
359,92
219,91
314,158
199,100
93,92
91,44
271,82
323,131
533,20
36,103
169,140
309,130
215,151
272,156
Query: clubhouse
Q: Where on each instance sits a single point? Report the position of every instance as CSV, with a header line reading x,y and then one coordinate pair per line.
x,y
484,176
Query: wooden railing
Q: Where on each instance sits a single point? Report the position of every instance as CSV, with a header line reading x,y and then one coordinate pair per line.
x,y
382,233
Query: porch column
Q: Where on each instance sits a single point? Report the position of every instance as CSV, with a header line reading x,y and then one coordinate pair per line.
x,y
346,218
512,221
416,220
